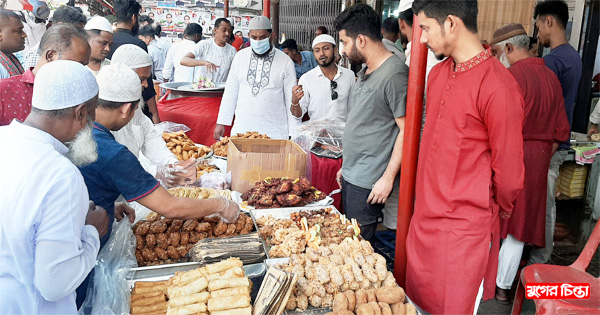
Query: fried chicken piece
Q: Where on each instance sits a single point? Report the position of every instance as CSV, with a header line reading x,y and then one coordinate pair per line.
x,y
158,227
327,300
304,287
312,254
289,200
176,224
203,227
203,235
347,274
141,228
139,242
182,250
322,275
302,302
220,228
162,241
240,223
161,253
174,238
148,254
369,273
304,183
139,257
194,237
214,219
185,238
172,252
248,227
296,190
335,274
284,187
150,241
189,225
366,247
189,246
298,270
230,230
279,251
265,201
390,280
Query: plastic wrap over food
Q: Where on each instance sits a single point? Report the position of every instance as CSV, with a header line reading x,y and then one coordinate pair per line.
x,y
327,133
108,293
215,180
169,126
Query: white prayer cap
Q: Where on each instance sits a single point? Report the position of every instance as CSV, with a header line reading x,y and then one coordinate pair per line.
x,y
63,84
99,23
118,83
132,56
323,38
405,5
260,23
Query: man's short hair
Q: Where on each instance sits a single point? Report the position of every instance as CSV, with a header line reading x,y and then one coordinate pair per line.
x,y
5,15
192,29
390,25
289,44
407,16
146,30
157,29
466,10
519,41
221,20
556,8
67,14
359,19
126,9
113,105
323,29
145,18
60,38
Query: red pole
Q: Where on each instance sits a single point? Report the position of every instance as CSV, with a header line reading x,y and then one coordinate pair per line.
x,y
410,152
267,8
226,8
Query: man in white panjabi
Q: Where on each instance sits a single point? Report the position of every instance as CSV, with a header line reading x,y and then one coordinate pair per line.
x,y
100,39
259,88
173,70
49,234
212,57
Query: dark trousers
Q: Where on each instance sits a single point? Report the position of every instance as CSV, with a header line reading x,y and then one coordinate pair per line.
x,y
354,199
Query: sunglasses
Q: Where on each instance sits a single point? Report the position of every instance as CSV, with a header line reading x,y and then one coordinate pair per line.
x,y
334,94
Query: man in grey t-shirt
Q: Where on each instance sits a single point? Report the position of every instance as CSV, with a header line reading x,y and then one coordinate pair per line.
x,y
375,124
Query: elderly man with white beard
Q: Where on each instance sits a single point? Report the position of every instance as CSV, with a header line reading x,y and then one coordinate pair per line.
x,y
49,234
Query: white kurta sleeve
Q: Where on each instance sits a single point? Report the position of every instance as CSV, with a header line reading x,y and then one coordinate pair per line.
x,y
230,95
168,67
595,116
65,248
289,81
154,147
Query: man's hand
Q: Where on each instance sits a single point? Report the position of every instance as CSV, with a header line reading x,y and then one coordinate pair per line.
x,y
97,218
229,212
381,190
338,178
219,131
297,94
593,129
122,210
211,67
180,174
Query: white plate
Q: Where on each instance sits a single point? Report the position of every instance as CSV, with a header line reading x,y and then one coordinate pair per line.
x,y
237,197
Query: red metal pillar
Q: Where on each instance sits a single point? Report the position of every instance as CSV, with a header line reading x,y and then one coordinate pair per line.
x,y
226,8
267,8
410,152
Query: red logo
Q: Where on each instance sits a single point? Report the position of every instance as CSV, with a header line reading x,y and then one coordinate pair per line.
x,y
557,291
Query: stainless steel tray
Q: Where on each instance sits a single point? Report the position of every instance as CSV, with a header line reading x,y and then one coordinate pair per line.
x,y
187,87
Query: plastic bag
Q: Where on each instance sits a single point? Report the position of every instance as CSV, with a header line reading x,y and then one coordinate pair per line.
x,y
215,180
325,132
108,293
169,126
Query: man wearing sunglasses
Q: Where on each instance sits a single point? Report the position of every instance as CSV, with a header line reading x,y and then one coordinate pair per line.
x,y
323,92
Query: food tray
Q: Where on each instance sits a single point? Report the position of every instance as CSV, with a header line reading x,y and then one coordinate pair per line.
x,y
187,87
325,203
207,156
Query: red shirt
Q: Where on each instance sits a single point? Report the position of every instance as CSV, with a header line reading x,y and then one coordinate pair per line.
x,y
237,43
470,168
15,97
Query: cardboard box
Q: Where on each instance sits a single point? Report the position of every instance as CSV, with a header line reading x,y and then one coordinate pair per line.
x,y
253,160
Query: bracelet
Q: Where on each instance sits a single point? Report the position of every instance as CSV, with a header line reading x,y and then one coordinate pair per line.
x,y
295,104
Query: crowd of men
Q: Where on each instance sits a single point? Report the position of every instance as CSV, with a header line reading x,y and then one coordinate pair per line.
x,y
80,118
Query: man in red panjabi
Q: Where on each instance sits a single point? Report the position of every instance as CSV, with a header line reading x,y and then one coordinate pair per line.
x,y
470,164
545,126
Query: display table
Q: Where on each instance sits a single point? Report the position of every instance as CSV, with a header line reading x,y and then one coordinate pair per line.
x,y
198,112
323,173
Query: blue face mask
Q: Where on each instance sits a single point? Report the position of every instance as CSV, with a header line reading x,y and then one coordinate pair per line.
x,y
260,46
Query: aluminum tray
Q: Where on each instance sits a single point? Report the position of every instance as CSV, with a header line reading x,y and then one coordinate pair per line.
x,y
187,87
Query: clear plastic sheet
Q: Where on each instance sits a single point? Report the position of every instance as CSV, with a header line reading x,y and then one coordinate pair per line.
x,y
169,126
108,293
325,132
215,180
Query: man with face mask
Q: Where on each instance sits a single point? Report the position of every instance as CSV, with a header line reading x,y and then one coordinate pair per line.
x,y
100,39
213,56
373,143
259,89
470,164
545,126
324,92
50,231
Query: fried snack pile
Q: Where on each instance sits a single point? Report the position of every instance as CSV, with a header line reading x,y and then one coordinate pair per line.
x,y
165,241
149,298
387,300
204,167
351,266
220,148
199,192
217,289
183,147
282,192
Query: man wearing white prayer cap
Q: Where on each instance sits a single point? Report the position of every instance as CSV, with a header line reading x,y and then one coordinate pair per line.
x,y
139,135
259,88
50,231
323,92
100,34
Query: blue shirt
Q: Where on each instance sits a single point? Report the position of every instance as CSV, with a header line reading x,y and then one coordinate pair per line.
x,y
564,60
116,172
308,63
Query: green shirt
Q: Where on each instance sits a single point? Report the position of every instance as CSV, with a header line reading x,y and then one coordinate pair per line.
x,y
371,130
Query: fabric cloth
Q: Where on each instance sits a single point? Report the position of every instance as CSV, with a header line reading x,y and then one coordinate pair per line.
x,y
155,50
63,84
46,249
132,56
507,31
208,50
323,172
544,124
585,155
355,203
15,97
34,32
99,23
431,60
509,259
378,99
595,115
323,38
308,63
317,100
391,46
11,66
470,168
260,23
173,69
32,57
390,209
116,172
258,92
103,64
238,43
565,62
542,255
118,83
198,113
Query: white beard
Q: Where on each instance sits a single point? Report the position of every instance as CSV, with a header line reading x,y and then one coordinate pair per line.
x,y
504,60
83,149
